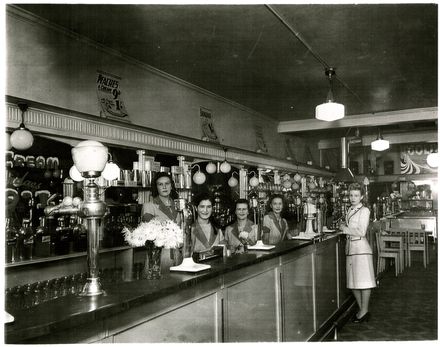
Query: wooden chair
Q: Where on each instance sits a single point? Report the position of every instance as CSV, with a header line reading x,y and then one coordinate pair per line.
x,y
383,253
404,234
417,241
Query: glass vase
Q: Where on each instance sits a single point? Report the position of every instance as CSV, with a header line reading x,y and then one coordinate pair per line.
x,y
152,261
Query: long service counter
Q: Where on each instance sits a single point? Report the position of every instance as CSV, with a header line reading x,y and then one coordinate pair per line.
x,y
290,293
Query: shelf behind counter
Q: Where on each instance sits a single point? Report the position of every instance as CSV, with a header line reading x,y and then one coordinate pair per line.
x,y
286,294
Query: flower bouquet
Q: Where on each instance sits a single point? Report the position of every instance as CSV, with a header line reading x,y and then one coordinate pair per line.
x,y
154,235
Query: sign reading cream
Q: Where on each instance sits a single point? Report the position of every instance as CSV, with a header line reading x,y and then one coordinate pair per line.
x,y
109,96
208,132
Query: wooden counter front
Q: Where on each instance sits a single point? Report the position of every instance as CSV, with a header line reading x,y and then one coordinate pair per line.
x,y
286,294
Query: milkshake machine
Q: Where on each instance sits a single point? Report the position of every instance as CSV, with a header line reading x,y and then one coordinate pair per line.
x,y
309,213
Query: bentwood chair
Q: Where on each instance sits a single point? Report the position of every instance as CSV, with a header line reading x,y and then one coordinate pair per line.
x,y
417,241
383,253
402,232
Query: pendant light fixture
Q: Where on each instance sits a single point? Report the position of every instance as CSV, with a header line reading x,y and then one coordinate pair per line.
x,y
380,144
22,138
225,167
330,110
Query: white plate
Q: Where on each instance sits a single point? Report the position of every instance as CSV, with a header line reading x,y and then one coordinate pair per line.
x,y
261,247
301,238
328,231
188,265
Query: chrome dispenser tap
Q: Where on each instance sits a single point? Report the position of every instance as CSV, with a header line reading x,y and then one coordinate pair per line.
x,y
67,206
186,212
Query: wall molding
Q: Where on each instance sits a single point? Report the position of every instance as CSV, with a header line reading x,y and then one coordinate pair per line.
x,y
73,128
32,18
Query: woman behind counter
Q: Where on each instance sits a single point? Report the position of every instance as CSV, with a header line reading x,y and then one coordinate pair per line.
x,y
243,231
274,226
360,271
162,206
203,234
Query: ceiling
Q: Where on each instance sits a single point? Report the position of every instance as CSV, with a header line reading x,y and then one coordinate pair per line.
x,y
385,55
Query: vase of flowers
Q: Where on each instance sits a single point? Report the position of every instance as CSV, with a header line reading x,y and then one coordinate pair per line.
x,y
152,261
154,236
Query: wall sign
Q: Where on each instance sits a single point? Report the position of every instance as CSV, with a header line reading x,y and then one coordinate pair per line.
x,y
207,126
261,144
413,158
109,96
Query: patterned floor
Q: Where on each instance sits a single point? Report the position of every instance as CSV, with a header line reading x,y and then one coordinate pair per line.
x,y
402,308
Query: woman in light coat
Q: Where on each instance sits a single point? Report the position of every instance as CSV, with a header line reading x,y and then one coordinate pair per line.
x,y
243,231
162,206
203,233
275,227
360,270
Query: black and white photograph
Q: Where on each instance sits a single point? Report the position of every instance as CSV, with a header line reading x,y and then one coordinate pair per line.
x,y
220,172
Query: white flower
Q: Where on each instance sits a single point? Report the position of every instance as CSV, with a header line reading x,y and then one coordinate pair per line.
x,y
243,235
164,233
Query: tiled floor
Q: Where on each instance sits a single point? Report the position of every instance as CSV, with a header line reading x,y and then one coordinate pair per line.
x,y
402,308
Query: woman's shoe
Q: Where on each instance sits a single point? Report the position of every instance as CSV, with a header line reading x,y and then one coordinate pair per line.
x,y
365,318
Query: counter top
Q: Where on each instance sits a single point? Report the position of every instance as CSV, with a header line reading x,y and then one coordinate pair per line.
x,y
71,310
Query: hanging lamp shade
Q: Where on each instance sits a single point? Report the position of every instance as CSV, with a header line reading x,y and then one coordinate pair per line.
x,y
380,144
22,139
330,110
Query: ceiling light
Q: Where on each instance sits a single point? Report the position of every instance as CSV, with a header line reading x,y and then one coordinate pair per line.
x,y
330,110
432,159
225,167
380,144
22,138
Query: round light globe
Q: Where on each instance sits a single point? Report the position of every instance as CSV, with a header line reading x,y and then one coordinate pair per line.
x,y
75,174
432,159
199,177
22,139
232,182
111,171
225,167
211,168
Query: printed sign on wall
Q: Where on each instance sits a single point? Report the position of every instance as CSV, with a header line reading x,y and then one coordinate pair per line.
x,y
206,124
109,96
413,158
261,144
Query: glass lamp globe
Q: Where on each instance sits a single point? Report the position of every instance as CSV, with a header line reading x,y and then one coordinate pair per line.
x,y
232,182
211,168
22,138
199,177
90,157
75,174
225,167
111,171
432,159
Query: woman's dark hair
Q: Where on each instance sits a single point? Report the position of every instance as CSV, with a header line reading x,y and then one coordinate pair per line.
x,y
275,196
242,201
203,196
356,186
155,192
